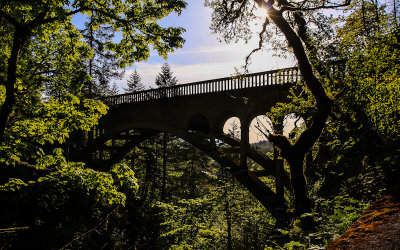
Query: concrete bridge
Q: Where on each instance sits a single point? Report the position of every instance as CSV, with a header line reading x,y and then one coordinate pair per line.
x,y
197,112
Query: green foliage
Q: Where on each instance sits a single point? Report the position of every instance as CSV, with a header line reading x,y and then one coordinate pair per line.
x,y
67,200
48,122
135,20
337,215
102,65
13,184
64,204
124,177
185,227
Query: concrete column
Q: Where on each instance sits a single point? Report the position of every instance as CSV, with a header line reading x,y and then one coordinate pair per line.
x,y
279,179
244,140
279,171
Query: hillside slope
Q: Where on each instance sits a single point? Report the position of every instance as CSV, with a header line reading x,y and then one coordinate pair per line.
x,y
378,227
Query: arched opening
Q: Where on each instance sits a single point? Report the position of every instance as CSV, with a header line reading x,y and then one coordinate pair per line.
x,y
259,129
199,123
232,127
292,125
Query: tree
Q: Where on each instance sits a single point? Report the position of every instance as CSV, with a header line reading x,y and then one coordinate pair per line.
x,y
165,78
31,21
363,135
44,68
233,20
134,83
102,66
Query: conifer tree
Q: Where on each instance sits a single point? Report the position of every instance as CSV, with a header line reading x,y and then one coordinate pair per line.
x,y
165,78
134,83
102,66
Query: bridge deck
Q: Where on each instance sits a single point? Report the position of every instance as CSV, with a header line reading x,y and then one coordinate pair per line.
x,y
261,79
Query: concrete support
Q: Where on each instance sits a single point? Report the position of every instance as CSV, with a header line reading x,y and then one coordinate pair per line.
x,y
198,119
244,140
279,175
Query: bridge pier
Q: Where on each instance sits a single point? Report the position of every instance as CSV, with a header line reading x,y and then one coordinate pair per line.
x,y
244,140
196,112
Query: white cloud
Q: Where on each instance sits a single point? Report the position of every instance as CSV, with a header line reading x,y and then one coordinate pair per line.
x,y
209,63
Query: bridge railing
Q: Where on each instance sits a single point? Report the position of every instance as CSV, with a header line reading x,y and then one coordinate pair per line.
x,y
261,79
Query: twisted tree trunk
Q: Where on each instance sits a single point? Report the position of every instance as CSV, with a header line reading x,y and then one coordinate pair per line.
x,y
295,153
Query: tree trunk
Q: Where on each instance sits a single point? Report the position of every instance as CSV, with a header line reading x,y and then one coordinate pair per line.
x,y
20,37
298,181
228,220
295,154
164,169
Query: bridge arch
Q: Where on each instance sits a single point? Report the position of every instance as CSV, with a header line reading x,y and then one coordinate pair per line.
x,y
260,127
232,127
199,122
197,114
208,145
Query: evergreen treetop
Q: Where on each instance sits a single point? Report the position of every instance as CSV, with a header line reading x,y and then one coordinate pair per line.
x,y
134,83
165,78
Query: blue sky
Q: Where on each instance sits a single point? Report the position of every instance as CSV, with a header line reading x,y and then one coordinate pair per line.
x,y
203,57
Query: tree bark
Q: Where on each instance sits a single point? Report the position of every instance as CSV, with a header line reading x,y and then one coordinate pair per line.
x,y
164,169
228,220
295,153
298,180
20,37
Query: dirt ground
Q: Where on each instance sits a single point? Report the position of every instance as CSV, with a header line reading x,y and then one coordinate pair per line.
x,y
378,227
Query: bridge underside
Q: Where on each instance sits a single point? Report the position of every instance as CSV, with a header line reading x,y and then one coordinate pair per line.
x,y
199,120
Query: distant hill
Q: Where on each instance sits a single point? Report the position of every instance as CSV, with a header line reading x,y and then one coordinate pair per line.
x,y
264,146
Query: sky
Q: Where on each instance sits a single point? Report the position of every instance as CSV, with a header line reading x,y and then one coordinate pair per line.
x,y
203,57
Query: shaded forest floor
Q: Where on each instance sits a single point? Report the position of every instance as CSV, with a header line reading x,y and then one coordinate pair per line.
x,y
378,227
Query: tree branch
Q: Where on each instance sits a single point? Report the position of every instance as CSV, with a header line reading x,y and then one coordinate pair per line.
x,y
260,41
91,230
11,19
321,7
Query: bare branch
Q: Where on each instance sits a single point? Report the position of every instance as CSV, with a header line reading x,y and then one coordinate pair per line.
x,y
91,230
260,41
12,229
321,7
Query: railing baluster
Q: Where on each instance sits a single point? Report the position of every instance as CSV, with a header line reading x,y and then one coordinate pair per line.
x,y
274,77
